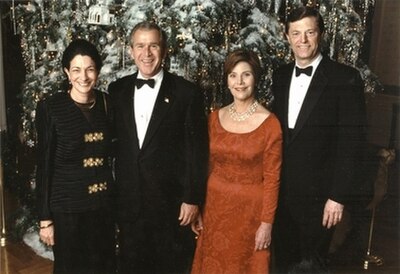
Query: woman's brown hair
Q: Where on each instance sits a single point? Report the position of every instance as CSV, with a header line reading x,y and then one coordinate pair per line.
x,y
243,55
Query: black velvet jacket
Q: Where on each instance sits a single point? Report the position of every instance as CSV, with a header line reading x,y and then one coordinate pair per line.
x,y
73,156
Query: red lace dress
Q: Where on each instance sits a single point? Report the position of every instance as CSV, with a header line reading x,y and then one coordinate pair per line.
x,y
242,192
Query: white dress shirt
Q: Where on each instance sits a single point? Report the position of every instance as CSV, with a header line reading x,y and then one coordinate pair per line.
x,y
298,90
144,100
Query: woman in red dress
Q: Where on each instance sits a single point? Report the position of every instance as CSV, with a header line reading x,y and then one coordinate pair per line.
x,y
245,159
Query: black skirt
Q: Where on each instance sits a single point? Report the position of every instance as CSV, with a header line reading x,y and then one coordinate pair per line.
x,y
84,242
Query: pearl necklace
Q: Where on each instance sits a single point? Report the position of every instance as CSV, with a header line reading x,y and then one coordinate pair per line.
x,y
239,117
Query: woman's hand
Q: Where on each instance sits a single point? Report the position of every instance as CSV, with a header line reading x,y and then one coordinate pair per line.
x,y
47,232
263,236
197,225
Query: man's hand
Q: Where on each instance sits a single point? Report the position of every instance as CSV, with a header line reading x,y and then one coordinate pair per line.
x,y
188,213
333,213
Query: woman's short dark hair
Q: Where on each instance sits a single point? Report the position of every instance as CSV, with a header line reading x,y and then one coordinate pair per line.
x,y
81,47
303,12
243,55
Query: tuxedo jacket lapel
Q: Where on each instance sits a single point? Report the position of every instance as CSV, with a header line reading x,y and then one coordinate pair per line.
x,y
316,88
163,103
129,115
285,107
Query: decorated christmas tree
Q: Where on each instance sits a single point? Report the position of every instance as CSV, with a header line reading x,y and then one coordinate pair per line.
x,y
201,33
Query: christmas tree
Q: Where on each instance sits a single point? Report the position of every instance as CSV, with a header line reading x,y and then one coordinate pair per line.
x,y
201,33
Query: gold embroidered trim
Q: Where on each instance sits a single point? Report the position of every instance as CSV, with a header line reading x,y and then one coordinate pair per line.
x,y
97,187
94,137
92,162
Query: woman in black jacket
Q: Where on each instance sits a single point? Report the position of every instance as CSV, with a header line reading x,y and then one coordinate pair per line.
x,y
74,176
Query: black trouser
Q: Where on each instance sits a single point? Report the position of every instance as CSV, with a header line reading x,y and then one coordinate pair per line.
x,y
301,243
149,247
84,242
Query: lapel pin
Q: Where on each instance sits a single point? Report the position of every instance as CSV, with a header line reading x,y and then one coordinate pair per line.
x,y
166,100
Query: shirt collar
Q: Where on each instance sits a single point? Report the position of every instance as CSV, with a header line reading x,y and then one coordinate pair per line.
x,y
314,63
157,78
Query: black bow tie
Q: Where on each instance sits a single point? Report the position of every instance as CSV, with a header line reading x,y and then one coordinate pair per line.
x,y
306,71
140,82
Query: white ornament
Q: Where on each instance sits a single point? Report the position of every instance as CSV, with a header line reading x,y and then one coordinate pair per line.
x,y
174,65
251,3
102,40
100,14
110,36
50,46
30,8
30,143
185,36
278,4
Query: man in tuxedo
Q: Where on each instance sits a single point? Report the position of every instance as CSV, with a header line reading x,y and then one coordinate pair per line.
x,y
161,159
320,104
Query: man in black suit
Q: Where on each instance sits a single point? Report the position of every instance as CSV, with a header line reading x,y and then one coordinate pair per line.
x,y
161,159
320,104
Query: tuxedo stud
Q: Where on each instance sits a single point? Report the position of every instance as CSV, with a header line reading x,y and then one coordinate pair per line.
x,y
166,100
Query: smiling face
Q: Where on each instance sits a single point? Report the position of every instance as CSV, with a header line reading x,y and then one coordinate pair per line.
x,y
147,51
304,38
241,82
82,74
